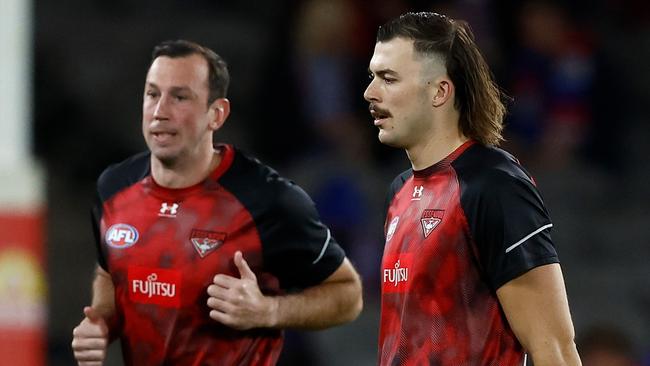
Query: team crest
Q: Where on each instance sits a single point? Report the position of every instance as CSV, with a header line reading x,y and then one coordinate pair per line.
x,y
430,220
206,241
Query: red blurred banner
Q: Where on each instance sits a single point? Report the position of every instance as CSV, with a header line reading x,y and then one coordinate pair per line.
x,y
22,289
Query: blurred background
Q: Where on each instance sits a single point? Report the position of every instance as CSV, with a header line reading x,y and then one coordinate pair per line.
x,y
578,73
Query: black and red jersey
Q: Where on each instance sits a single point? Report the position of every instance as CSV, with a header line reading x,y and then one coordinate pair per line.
x,y
455,232
163,247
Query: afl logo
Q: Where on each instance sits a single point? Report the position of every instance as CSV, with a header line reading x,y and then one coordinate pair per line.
x,y
121,236
391,228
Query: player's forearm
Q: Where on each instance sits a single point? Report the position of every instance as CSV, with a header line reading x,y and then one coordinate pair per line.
x,y
552,346
556,354
318,307
103,293
103,300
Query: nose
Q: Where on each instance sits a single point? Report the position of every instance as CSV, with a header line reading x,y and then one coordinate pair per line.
x,y
160,109
371,93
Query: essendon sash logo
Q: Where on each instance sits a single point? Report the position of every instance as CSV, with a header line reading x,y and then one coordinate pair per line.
x,y
206,241
430,220
396,273
155,286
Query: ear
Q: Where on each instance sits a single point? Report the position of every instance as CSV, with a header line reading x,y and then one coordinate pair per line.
x,y
221,110
443,92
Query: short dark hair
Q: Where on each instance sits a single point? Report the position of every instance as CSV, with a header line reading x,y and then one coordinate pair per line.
x,y
218,76
478,98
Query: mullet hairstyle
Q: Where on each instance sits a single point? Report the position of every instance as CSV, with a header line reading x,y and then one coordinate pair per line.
x,y
478,98
218,76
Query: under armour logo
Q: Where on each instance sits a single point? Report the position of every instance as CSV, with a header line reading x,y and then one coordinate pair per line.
x,y
417,193
164,207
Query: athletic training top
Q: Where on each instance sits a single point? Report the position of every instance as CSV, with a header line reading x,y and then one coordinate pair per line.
x,y
455,232
163,247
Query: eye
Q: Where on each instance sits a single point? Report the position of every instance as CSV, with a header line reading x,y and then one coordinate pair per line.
x,y
389,80
151,93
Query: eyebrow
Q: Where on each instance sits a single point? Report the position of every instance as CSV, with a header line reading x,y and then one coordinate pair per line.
x,y
383,72
175,89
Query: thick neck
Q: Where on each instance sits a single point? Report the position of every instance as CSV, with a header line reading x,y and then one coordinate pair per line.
x,y
185,173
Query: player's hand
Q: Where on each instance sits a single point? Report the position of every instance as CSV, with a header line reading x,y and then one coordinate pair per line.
x,y
90,339
238,302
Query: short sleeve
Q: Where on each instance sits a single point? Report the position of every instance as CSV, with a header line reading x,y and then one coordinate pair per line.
x,y
113,179
297,247
509,225
394,187
95,218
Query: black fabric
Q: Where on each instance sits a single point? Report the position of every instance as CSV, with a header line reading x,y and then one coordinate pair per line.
x,y
503,206
123,175
290,229
95,218
395,186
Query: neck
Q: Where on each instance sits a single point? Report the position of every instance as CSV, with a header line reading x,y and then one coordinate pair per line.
x,y
434,148
187,173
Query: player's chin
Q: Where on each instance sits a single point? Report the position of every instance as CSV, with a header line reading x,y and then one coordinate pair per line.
x,y
164,155
388,139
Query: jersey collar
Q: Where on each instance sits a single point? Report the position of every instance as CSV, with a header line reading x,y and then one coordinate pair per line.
x,y
444,163
227,156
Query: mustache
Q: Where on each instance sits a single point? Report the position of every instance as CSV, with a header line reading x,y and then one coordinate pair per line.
x,y
373,108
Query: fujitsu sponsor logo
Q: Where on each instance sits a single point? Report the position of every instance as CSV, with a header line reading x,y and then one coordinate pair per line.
x,y
397,272
155,286
151,287
396,275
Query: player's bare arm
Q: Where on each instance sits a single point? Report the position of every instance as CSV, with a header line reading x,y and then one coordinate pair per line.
x,y
538,311
239,303
103,294
91,337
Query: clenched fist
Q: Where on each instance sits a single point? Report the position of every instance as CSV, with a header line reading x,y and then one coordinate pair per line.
x,y
90,339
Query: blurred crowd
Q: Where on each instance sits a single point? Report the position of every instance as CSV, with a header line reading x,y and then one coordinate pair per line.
x,y
574,71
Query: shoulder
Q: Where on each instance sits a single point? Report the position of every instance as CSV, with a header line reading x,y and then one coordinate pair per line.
x,y
489,169
398,182
123,174
256,183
